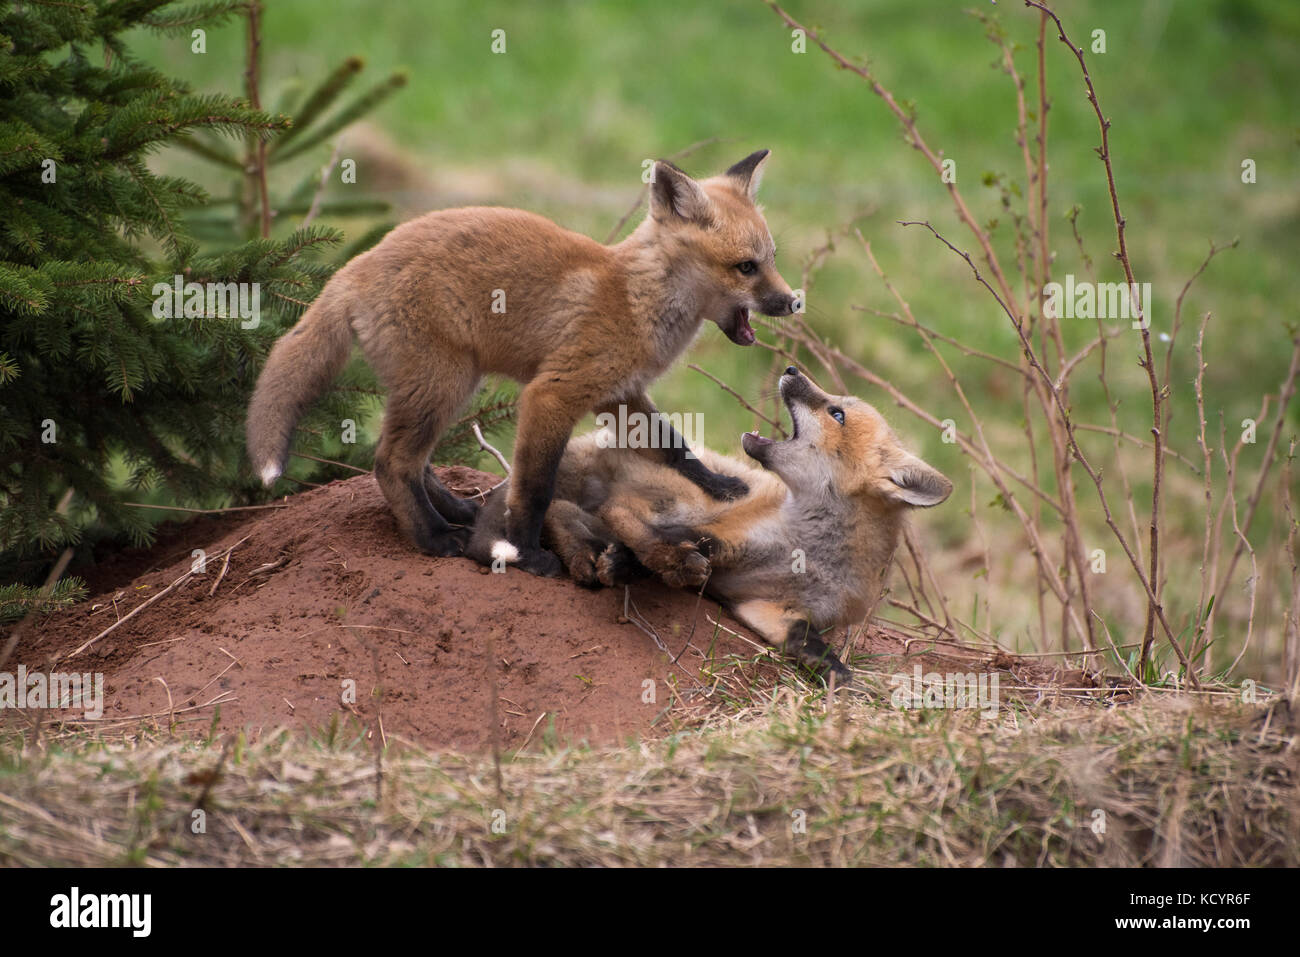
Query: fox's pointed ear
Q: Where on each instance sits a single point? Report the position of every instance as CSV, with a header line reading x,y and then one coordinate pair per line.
x,y
674,195
748,173
916,483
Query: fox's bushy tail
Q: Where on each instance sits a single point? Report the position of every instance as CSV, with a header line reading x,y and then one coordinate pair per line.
x,y
300,367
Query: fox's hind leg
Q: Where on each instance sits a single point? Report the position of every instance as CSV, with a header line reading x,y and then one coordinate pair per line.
x,y
618,565
457,510
578,537
581,540
420,406
678,563
588,548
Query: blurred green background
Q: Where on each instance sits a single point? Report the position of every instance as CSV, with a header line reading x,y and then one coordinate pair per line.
x,y
562,121
586,90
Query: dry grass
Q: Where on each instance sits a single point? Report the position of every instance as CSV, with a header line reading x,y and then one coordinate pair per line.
x,y
1177,780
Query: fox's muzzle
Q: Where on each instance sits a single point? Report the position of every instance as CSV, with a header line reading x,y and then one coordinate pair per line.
x,y
777,304
797,387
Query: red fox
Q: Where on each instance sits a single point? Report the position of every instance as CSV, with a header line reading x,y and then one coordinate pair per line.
x,y
458,293
806,549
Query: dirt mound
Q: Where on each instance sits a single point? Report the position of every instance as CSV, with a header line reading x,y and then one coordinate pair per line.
x,y
320,607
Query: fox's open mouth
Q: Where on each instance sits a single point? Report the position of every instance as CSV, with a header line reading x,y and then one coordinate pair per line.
x,y
756,446
740,331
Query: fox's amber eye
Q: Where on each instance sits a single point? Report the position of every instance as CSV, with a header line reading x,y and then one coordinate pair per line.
x,y
836,413
748,267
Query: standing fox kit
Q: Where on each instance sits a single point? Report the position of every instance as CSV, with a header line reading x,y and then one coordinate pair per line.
x,y
805,549
456,294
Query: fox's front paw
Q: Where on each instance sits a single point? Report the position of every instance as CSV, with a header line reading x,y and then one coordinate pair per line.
x,y
582,567
680,566
834,668
724,488
819,659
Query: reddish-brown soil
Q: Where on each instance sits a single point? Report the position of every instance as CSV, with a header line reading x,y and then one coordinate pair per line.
x,y
325,592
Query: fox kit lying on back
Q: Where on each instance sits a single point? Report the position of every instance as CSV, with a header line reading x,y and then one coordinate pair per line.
x,y
458,293
806,549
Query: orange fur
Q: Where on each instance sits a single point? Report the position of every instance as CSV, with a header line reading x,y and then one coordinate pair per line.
x,y
456,294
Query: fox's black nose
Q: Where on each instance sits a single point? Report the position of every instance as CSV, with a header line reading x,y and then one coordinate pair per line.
x,y
791,370
777,305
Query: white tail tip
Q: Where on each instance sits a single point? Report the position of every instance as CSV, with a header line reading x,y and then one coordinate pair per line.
x,y
502,550
270,474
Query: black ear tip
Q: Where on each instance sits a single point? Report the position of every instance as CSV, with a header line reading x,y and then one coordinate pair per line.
x,y
746,166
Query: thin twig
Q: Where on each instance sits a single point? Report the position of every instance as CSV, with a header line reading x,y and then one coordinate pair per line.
x,y
343,465
739,398
483,444
141,607
203,511
319,195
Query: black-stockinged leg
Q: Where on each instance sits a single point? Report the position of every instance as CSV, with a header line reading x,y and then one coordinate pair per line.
x,y
678,457
806,646
524,529
434,535
456,510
